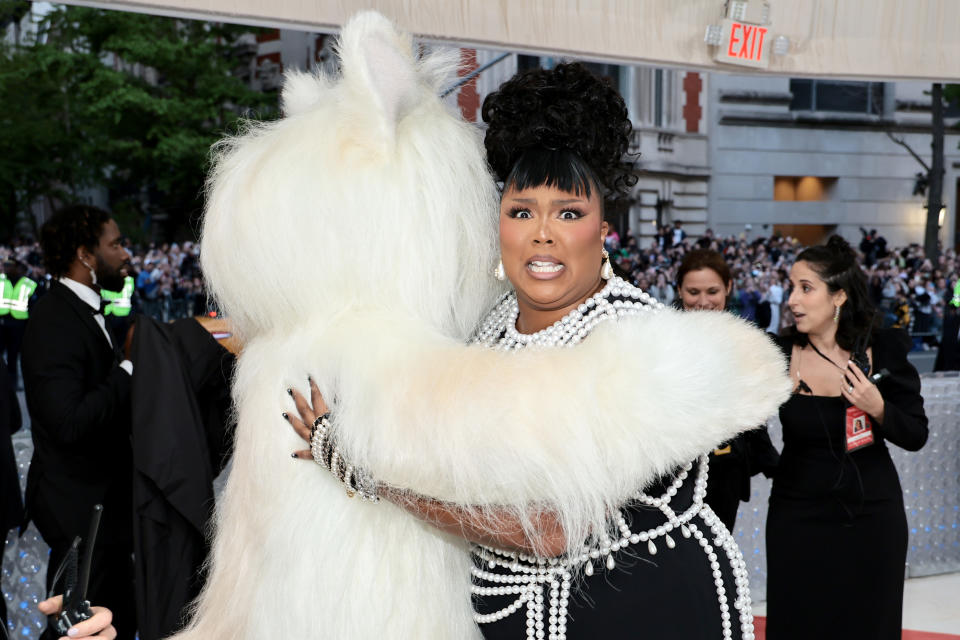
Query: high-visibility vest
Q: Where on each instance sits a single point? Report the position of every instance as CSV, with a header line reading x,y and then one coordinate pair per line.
x,y
6,294
119,301
16,297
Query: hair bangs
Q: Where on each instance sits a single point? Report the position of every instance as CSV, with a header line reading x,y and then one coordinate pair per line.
x,y
563,169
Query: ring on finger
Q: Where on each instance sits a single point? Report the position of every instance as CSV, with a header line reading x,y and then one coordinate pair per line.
x,y
850,388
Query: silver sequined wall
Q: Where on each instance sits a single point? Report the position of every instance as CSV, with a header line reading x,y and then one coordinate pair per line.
x,y
930,478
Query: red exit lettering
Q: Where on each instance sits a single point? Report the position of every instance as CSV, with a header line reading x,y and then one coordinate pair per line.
x,y
746,41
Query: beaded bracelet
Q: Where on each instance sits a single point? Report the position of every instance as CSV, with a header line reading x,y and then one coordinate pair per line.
x,y
328,456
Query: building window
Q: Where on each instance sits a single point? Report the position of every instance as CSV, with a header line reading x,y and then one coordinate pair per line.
x,y
802,188
836,95
527,62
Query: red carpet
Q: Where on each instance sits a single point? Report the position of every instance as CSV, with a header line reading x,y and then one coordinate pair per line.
x,y
760,624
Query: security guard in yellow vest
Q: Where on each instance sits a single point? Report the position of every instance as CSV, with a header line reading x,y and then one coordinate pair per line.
x,y
119,302
15,295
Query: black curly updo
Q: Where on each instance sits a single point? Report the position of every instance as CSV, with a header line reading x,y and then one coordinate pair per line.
x,y
561,127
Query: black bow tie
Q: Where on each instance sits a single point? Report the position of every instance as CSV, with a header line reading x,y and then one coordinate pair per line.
x,y
101,308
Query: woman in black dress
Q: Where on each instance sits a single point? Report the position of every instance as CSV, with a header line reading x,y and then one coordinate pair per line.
x,y
836,529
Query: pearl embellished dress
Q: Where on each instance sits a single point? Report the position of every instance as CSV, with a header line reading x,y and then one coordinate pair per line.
x,y
668,569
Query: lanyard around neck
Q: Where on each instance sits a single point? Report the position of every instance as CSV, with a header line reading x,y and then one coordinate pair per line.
x,y
819,353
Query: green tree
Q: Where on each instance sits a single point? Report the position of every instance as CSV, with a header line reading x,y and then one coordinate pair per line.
x,y
951,94
41,152
128,101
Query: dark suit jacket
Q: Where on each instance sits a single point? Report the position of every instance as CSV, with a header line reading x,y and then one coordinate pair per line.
x,y
79,403
11,509
948,355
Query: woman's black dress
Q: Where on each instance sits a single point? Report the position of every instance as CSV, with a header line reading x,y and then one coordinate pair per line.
x,y
836,528
669,595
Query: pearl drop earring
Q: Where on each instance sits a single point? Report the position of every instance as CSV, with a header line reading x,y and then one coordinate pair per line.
x,y
606,271
499,273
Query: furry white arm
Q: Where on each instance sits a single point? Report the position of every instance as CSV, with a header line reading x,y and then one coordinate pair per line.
x,y
578,429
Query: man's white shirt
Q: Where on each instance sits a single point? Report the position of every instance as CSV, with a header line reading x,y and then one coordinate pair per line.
x,y
92,298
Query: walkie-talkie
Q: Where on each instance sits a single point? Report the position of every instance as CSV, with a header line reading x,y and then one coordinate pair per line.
x,y
76,607
859,355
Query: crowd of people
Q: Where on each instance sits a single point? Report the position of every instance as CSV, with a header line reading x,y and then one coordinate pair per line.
x,y
167,277
910,291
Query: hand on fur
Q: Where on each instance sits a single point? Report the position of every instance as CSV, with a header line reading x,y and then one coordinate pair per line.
x,y
97,626
476,525
309,411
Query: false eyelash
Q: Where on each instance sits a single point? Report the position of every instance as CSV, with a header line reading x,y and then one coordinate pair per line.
x,y
579,213
515,210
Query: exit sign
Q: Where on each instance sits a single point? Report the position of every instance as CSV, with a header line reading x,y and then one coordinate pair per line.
x,y
744,44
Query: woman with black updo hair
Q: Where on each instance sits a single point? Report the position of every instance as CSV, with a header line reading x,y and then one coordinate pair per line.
x,y
836,529
556,135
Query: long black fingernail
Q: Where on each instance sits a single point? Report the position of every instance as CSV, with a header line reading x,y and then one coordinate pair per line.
x,y
290,392
285,416
293,455
309,379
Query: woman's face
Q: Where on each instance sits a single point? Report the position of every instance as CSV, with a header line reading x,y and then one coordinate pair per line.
x,y
703,290
551,244
810,300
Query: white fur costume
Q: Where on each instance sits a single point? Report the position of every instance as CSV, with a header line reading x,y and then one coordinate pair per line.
x,y
353,241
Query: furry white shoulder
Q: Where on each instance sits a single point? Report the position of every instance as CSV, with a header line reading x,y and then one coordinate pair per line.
x,y
579,429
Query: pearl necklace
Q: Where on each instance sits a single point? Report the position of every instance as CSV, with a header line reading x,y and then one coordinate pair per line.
x,y
617,299
529,576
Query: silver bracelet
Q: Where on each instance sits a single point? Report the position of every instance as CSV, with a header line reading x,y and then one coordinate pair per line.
x,y
328,456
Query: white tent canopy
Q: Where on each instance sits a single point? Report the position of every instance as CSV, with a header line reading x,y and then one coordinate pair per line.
x,y
888,39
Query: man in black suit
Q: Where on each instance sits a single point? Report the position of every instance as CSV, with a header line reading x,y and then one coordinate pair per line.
x,y
11,505
948,355
77,383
